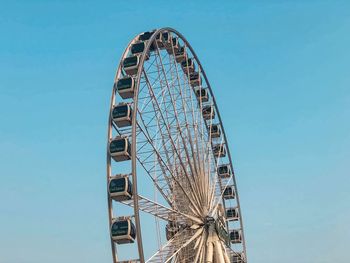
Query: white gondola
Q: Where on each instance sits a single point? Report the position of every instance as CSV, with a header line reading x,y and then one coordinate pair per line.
x,y
120,149
122,114
202,94
235,236
188,66
239,258
232,214
215,131
195,79
174,45
180,54
219,150
208,112
125,87
139,48
120,188
224,171
131,64
146,35
123,231
229,192
163,40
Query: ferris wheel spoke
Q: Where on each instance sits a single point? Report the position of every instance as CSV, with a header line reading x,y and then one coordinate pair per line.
x,y
184,99
184,108
191,183
160,156
172,248
202,185
157,95
150,141
197,154
163,120
164,191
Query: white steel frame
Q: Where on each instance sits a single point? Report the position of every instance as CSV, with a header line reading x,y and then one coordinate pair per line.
x,y
172,142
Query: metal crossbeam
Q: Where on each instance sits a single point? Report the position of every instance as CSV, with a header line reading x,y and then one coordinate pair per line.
x,y
158,210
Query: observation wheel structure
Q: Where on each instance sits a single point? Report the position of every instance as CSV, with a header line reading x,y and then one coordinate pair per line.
x,y
172,194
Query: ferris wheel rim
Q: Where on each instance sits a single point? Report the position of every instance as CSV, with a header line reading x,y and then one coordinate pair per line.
x,y
134,135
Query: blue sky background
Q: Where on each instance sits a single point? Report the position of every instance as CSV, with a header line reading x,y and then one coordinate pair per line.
x,y
280,73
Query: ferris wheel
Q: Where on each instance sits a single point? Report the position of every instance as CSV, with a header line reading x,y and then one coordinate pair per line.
x,y
172,194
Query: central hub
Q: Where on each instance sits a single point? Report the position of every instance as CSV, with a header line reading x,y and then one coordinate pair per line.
x,y
208,220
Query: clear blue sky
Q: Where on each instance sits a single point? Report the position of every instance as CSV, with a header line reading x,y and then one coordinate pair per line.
x,y
280,72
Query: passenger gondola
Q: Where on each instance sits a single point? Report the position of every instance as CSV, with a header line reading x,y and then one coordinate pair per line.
x,y
120,149
235,236
146,35
208,112
224,171
120,188
159,41
163,40
219,150
174,46
239,258
125,87
232,214
229,192
180,54
215,131
122,114
195,79
188,66
123,231
139,48
202,94
131,65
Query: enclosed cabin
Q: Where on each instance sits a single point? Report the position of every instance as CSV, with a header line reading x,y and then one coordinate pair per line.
x,y
139,48
159,40
174,46
146,35
123,231
208,112
215,131
237,258
195,79
232,214
202,94
180,54
224,171
219,150
188,66
229,192
120,188
163,40
235,236
131,64
125,87
122,114
120,149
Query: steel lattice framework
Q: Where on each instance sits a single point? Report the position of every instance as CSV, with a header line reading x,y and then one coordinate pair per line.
x,y
176,140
